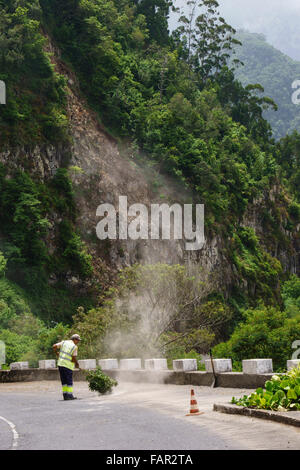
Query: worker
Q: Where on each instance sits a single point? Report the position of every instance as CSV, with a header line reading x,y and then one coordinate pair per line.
x,y
67,360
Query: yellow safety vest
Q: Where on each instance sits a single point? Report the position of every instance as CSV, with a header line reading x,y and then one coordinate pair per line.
x,y
65,355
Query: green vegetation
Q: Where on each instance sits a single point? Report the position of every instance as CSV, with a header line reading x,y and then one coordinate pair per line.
x,y
36,97
26,337
187,123
179,352
100,382
254,265
154,310
282,393
263,332
176,101
28,208
156,13
277,20
207,39
291,296
276,72
289,160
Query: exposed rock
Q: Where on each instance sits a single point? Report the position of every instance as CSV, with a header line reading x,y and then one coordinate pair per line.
x,y
102,173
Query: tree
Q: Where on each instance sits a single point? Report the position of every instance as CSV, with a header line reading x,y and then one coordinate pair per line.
x,y
262,62
3,263
246,104
291,296
265,332
157,15
154,306
16,346
35,93
289,159
186,29
208,41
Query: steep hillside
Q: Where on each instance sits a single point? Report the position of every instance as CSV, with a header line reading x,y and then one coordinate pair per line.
x,y
276,20
102,102
276,72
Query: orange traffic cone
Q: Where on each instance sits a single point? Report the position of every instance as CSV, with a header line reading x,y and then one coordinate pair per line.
x,y
194,406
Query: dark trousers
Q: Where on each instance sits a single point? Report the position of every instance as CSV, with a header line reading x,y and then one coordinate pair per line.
x,y
66,377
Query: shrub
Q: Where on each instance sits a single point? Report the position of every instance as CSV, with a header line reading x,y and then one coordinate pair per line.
x,y
177,348
281,393
49,336
100,382
73,251
265,332
3,263
257,267
150,302
294,211
291,296
16,346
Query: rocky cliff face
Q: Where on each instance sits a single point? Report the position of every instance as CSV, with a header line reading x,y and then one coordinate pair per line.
x,y
285,247
103,171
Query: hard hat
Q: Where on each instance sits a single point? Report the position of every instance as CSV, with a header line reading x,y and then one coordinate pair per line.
x,y
76,337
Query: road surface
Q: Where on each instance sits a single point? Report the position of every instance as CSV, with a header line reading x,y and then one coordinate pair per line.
x,y
33,416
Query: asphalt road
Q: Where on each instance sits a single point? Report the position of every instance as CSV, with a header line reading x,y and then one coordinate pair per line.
x,y
33,416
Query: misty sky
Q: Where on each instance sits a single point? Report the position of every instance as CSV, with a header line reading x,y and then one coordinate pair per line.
x,y
278,20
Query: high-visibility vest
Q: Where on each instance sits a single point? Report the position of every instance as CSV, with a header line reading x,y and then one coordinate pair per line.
x,y
65,355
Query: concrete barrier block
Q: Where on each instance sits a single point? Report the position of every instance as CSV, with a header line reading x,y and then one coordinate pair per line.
x,y
130,364
156,364
257,366
108,364
185,364
47,364
19,365
220,365
87,364
292,363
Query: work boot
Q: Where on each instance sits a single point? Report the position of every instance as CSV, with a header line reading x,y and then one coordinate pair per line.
x,y
70,397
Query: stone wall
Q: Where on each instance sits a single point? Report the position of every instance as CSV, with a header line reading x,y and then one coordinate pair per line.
x,y
226,380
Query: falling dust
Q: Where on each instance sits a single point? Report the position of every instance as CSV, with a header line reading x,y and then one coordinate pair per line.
x,y
163,302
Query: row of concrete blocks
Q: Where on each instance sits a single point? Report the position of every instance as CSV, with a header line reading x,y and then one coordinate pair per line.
x,y
250,366
105,364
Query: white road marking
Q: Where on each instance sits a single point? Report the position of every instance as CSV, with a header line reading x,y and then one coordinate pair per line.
x,y
13,430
